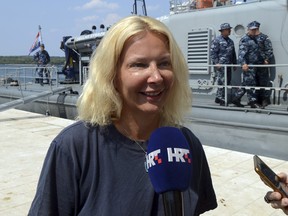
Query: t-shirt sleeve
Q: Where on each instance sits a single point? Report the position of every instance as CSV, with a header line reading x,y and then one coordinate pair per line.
x,y
56,187
201,176
207,197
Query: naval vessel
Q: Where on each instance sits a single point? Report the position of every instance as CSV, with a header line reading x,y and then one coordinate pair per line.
x,y
194,24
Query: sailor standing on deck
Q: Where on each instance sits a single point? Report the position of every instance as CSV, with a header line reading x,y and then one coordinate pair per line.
x,y
264,75
42,58
249,53
222,52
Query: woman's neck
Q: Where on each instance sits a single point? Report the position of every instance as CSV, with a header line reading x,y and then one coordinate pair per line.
x,y
137,128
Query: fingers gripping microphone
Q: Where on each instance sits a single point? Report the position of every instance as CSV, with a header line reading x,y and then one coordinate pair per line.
x,y
169,167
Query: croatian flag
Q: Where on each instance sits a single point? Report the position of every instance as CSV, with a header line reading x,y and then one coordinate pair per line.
x,y
36,43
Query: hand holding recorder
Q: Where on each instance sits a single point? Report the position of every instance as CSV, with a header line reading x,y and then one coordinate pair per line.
x,y
278,198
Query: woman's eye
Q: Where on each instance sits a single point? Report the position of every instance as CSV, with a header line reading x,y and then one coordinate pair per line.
x,y
139,65
165,64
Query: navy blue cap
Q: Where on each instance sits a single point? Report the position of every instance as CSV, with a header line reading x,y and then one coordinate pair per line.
x,y
224,26
253,25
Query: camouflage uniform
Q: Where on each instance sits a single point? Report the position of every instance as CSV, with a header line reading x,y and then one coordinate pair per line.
x,y
249,53
222,52
42,58
263,75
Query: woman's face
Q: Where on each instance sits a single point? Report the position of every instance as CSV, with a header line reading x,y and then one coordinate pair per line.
x,y
145,75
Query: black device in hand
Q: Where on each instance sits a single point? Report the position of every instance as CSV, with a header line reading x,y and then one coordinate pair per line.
x,y
268,176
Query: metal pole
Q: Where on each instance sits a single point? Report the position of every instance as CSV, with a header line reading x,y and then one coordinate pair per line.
x,y
225,85
32,98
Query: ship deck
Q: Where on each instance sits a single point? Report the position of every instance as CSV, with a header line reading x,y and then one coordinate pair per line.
x,y
238,188
278,104
254,131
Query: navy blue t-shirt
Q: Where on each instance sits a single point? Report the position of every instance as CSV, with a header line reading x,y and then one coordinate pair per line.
x,y
95,170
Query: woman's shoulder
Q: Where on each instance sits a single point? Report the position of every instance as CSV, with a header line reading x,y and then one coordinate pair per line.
x,y
187,131
75,129
76,134
191,137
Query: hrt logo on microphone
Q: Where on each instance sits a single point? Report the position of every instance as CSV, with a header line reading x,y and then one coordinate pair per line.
x,y
179,154
174,155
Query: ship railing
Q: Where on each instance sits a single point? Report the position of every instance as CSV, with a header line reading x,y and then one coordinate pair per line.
x,y
28,75
182,6
205,84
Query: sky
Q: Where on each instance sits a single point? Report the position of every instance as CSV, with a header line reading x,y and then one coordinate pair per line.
x,y
19,20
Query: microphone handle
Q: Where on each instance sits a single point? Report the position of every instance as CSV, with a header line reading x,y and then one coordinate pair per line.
x,y
172,201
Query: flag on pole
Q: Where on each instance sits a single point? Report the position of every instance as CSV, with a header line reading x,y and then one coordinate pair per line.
x,y
36,44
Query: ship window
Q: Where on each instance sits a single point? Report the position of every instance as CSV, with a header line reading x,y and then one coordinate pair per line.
x,y
239,30
198,52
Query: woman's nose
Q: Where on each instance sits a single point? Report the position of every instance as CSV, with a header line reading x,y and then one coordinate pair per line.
x,y
155,75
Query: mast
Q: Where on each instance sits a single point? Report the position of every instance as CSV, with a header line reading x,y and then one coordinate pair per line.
x,y
144,11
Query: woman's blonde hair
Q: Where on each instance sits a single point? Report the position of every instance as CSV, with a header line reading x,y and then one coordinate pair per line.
x,y
100,103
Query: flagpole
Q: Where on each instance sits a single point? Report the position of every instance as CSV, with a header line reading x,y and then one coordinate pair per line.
x,y
41,39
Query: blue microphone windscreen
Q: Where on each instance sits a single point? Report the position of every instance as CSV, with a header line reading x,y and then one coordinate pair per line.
x,y
168,160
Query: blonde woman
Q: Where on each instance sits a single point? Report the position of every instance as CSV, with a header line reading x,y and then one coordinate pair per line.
x,y
138,82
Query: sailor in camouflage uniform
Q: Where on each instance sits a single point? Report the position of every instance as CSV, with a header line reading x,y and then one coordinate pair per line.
x,y
249,53
223,52
42,58
264,75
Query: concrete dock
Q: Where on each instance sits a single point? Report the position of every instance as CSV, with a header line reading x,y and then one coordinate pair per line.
x,y
25,138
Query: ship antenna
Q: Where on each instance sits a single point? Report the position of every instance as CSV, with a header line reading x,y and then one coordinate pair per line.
x,y
143,7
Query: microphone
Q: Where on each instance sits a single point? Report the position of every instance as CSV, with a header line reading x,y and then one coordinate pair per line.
x,y
169,166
